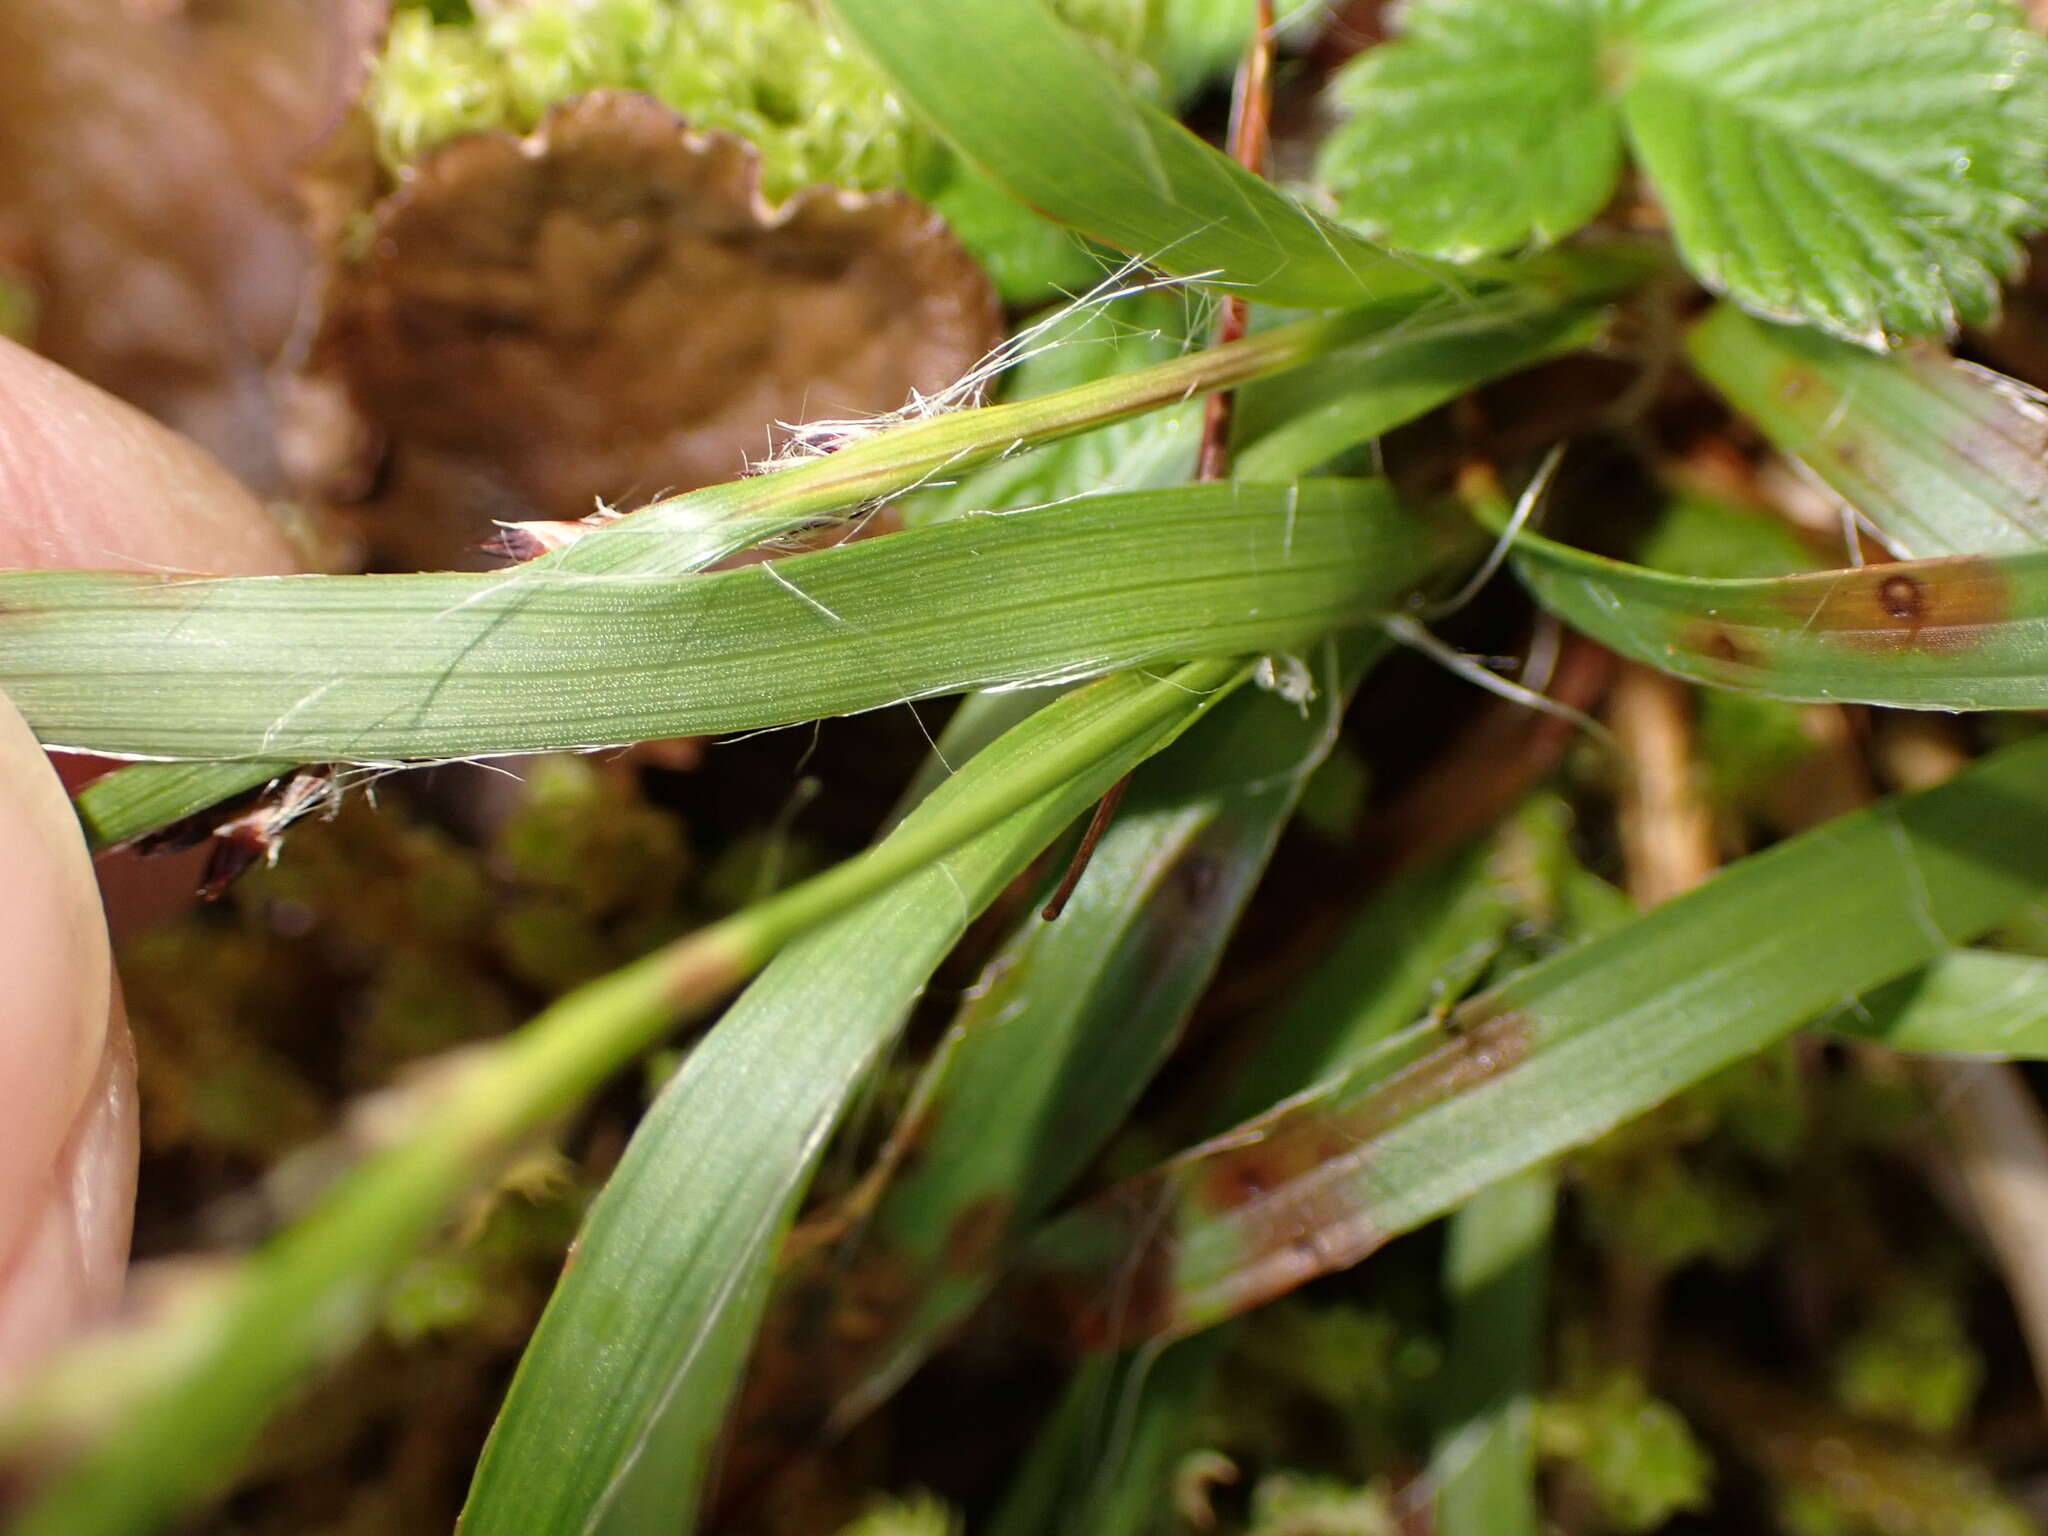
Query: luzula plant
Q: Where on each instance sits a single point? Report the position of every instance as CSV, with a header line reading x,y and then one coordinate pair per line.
x,y
1793,206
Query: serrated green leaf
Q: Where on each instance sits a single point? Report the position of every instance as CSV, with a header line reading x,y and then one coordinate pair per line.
x,y
1481,129
1865,166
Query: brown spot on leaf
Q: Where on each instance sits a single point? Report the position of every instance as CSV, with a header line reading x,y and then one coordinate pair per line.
x,y
1287,1184
1718,643
1850,454
1902,598
607,309
1925,605
1794,382
1268,1163
1484,1042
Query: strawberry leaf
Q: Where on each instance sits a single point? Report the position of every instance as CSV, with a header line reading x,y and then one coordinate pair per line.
x,y
1482,129
1864,166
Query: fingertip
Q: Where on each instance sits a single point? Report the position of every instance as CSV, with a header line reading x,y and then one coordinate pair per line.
x,y
69,1258
88,482
58,996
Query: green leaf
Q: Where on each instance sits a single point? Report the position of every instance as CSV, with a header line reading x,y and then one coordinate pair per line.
x,y
626,1383
1496,1264
1423,939
1557,1055
1939,457
121,806
689,532
1288,427
1065,351
1101,1463
1071,1019
1047,119
1076,1481
1482,129
1968,632
1975,1002
307,1295
377,668
1866,166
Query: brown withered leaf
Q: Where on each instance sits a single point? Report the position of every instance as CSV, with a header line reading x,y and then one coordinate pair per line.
x,y
607,309
147,151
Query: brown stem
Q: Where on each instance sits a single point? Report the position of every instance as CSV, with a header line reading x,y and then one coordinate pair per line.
x,y
1251,118
1105,808
1667,829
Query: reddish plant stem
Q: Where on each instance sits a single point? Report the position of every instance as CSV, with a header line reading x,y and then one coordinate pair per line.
x,y
1251,124
1251,116
1105,808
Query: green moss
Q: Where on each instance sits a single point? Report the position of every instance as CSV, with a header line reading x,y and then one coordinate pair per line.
x,y
1636,1453
1911,1363
1696,1179
431,84
771,71
917,1514
433,1294
1286,1504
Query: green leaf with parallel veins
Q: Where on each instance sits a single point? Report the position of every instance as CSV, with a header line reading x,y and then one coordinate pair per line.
x,y
1973,1002
1483,128
1939,457
1968,632
1037,109
1554,1056
378,668
304,1295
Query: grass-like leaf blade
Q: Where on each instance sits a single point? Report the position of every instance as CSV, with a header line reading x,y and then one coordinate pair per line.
x,y
1963,633
377,668
1939,457
305,1296
1049,1052
1290,424
624,1387
1975,1002
1047,119
1557,1055
1496,1262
